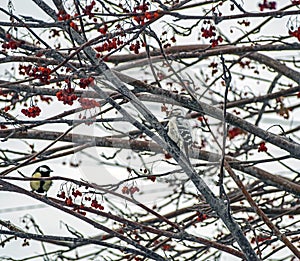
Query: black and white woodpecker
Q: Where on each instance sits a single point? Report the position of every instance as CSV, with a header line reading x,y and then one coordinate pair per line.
x,y
179,130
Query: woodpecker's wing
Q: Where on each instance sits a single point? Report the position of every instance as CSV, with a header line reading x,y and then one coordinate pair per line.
x,y
173,132
180,132
185,132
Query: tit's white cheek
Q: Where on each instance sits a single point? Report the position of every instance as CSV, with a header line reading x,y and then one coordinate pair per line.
x,y
43,169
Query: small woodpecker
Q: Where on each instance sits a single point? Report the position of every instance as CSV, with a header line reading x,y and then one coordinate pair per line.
x,y
179,130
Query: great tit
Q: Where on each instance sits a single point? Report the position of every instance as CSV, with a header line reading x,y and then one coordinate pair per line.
x,y
41,186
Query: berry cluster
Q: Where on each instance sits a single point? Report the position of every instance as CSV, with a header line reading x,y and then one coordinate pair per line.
x,y
76,193
295,33
70,201
67,96
55,33
85,82
262,147
88,103
214,67
165,41
152,178
168,156
267,5
245,64
141,16
135,47
11,44
32,111
24,70
209,31
201,119
63,16
141,8
41,73
260,238
3,93
109,45
147,16
244,22
96,205
201,216
140,19
215,42
103,29
88,9
167,247
130,190
232,133
62,195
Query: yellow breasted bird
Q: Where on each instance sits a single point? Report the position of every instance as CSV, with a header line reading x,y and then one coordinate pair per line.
x,y
41,186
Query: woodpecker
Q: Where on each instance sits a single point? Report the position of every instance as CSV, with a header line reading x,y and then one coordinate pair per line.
x,y
179,131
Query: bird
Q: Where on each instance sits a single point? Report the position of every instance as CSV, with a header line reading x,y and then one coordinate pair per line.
x,y
41,186
179,131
